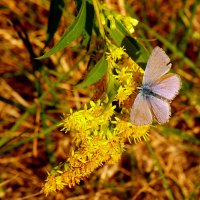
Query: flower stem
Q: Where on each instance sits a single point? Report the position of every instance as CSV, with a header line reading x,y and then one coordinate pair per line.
x,y
96,8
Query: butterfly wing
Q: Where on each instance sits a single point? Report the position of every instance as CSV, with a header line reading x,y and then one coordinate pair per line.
x,y
157,65
140,112
167,86
161,109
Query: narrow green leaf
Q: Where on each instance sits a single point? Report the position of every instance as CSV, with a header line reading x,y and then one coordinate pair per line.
x,y
55,13
78,5
134,49
71,34
96,73
111,90
87,32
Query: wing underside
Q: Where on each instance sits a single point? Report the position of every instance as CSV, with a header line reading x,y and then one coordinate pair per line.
x,y
157,65
167,86
140,112
160,109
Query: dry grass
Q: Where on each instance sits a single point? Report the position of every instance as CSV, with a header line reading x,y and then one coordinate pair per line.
x,y
34,94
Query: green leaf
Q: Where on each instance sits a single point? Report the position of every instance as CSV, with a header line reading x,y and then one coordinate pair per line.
x,y
78,5
87,33
55,13
95,74
134,49
73,32
111,90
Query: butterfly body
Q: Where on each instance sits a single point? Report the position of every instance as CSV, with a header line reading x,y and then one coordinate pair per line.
x,y
157,91
146,90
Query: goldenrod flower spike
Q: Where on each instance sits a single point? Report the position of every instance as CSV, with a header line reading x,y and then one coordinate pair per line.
x,y
99,134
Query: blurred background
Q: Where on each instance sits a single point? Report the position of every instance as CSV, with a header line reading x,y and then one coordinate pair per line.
x,y
34,94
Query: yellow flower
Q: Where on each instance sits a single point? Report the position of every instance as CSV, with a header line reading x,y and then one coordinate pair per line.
x,y
123,93
124,75
129,23
115,53
133,66
91,118
141,132
126,130
53,183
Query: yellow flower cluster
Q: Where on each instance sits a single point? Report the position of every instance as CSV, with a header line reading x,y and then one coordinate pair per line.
x,y
125,71
128,22
100,131
85,124
127,130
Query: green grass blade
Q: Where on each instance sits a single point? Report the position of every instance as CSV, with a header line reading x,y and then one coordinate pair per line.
x,y
188,30
29,139
8,134
165,182
181,134
29,110
173,48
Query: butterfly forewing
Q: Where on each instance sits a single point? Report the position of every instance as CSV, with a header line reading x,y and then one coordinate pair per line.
x,y
167,86
157,65
140,112
161,109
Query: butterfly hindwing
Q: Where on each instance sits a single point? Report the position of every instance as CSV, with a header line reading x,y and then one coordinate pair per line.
x,y
140,112
161,109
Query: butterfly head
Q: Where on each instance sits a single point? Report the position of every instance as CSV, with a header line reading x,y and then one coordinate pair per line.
x,y
145,89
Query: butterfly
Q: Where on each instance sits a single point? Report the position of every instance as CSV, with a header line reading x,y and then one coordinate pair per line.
x,y
157,91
